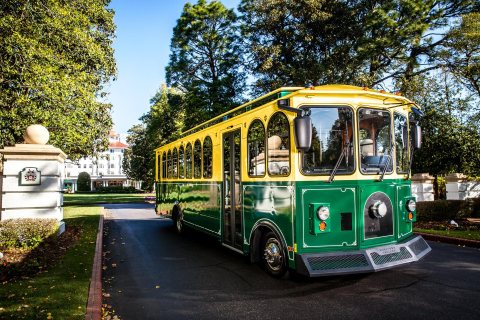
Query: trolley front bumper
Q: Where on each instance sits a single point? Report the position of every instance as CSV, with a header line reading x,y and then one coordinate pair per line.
x,y
361,261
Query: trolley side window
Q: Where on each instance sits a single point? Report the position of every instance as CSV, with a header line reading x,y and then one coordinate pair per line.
x,y
401,142
169,164
256,149
175,163
159,166
164,165
197,160
278,144
181,162
188,160
207,158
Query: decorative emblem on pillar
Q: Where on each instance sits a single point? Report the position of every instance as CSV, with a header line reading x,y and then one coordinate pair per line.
x,y
29,177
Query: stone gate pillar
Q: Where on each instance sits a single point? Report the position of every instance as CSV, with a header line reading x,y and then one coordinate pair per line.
x,y
32,179
422,187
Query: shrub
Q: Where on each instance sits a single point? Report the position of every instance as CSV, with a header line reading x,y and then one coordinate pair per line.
x,y
25,233
117,189
83,181
448,209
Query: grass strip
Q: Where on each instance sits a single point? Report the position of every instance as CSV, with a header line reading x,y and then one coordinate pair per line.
x,y
462,234
62,291
98,198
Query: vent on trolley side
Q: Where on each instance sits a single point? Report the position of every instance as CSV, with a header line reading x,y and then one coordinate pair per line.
x,y
403,254
418,246
338,262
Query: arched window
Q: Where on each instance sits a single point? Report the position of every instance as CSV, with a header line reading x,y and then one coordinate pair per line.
x,y
175,163
207,158
188,160
169,164
256,149
197,160
164,165
159,166
181,163
278,144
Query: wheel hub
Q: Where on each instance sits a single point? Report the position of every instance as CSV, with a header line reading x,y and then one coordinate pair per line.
x,y
273,255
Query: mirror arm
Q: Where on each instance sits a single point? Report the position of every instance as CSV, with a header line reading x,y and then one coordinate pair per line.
x,y
299,112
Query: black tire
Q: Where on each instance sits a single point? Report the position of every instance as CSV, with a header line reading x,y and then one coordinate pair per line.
x,y
178,220
273,255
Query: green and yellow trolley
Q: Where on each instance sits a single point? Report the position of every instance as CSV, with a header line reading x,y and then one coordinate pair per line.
x,y
311,179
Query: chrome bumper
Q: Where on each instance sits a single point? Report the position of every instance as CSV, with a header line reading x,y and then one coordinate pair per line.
x,y
360,261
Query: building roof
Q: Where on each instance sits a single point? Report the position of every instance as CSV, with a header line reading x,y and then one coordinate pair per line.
x,y
117,144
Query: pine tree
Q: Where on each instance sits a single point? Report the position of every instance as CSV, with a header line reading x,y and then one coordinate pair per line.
x,y
205,61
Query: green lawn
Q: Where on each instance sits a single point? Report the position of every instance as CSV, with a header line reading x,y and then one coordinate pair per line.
x,y
63,290
471,235
96,198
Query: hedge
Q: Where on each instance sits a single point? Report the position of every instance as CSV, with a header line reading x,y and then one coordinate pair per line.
x,y
448,209
117,189
25,233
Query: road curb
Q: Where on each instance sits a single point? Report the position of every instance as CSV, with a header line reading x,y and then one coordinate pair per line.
x,y
457,241
94,304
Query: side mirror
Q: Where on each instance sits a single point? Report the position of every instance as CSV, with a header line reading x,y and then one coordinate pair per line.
x,y
302,126
417,136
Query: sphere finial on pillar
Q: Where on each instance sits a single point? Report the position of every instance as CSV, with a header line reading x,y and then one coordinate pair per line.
x,y
36,134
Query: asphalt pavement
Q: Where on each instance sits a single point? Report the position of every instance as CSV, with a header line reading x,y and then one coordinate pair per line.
x,y
150,272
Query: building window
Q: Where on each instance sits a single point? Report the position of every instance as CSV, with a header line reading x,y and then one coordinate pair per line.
x,y
256,149
85,165
111,150
278,144
207,158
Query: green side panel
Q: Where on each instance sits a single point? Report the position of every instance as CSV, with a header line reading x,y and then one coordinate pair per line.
x,y
167,194
341,202
271,203
200,203
405,226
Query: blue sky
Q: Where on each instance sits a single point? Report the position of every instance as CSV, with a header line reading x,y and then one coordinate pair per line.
x,y
142,47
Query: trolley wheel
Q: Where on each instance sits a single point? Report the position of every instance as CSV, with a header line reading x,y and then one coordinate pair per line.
x,y
178,221
273,256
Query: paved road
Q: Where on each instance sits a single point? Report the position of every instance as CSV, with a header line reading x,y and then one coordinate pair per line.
x,y
157,274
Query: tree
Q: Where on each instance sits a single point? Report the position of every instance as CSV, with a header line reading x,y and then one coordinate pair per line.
x,y
55,57
138,160
362,42
163,123
83,182
205,61
462,53
451,139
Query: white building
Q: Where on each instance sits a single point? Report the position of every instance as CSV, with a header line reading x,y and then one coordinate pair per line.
x,y
105,170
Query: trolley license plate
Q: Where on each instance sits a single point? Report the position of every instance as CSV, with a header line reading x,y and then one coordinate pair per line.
x,y
387,250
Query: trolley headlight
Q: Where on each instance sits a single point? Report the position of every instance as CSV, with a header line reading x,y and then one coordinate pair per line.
x,y
323,213
379,209
411,205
